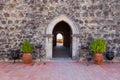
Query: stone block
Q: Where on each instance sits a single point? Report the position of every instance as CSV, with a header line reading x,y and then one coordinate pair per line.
x,y
3,41
10,22
3,22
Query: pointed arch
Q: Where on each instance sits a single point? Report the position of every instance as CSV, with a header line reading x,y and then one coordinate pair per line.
x,y
49,37
58,19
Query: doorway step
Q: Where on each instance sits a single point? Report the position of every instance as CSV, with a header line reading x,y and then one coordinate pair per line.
x,y
62,60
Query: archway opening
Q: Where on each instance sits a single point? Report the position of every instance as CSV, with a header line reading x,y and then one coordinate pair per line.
x,y
62,41
50,36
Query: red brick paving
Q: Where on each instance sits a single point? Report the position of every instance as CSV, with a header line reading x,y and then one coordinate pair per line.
x,y
59,71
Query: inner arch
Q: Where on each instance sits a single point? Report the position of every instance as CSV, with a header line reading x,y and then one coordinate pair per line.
x,y
59,39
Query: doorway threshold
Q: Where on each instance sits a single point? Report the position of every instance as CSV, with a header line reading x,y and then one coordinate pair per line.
x,y
62,60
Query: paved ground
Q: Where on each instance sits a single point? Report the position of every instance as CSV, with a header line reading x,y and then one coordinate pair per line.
x,y
59,71
61,52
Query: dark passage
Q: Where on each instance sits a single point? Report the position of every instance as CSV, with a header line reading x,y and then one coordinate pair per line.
x,y
64,50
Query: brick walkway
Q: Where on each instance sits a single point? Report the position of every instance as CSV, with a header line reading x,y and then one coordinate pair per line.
x,y
59,71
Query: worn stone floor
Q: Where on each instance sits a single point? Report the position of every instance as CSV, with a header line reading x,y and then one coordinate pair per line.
x,y
70,70
60,51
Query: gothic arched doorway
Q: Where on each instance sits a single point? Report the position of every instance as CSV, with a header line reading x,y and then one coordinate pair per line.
x,y
64,50
73,32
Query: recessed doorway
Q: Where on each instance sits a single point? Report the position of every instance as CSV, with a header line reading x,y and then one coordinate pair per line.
x,y
62,41
72,29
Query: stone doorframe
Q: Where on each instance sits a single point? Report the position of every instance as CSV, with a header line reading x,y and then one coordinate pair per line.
x,y
49,36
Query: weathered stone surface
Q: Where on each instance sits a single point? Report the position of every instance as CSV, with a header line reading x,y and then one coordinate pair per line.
x,y
6,14
1,6
20,19
3,41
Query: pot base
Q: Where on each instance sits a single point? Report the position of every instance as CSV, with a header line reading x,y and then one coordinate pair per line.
x,y
27,58
98,58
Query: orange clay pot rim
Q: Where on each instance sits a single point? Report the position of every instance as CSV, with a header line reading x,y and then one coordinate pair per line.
x,y
27,53
98,53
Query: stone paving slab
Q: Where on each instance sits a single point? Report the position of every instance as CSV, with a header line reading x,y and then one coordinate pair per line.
x,y
59,71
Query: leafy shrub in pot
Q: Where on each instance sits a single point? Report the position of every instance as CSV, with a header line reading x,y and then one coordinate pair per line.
x,y
27,49
98,46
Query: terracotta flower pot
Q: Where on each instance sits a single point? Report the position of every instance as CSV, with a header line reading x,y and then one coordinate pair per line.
x,y
27,58
98,58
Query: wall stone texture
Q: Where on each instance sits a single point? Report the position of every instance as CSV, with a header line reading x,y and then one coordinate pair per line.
x,y
20,19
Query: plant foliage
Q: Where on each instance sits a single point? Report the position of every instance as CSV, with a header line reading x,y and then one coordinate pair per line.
x,y
98,45
26,47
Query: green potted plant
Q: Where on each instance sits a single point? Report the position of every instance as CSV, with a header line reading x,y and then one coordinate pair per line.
x,y
27,49
98,47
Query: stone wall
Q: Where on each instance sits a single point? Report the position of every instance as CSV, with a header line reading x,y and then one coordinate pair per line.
x,y
20,19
